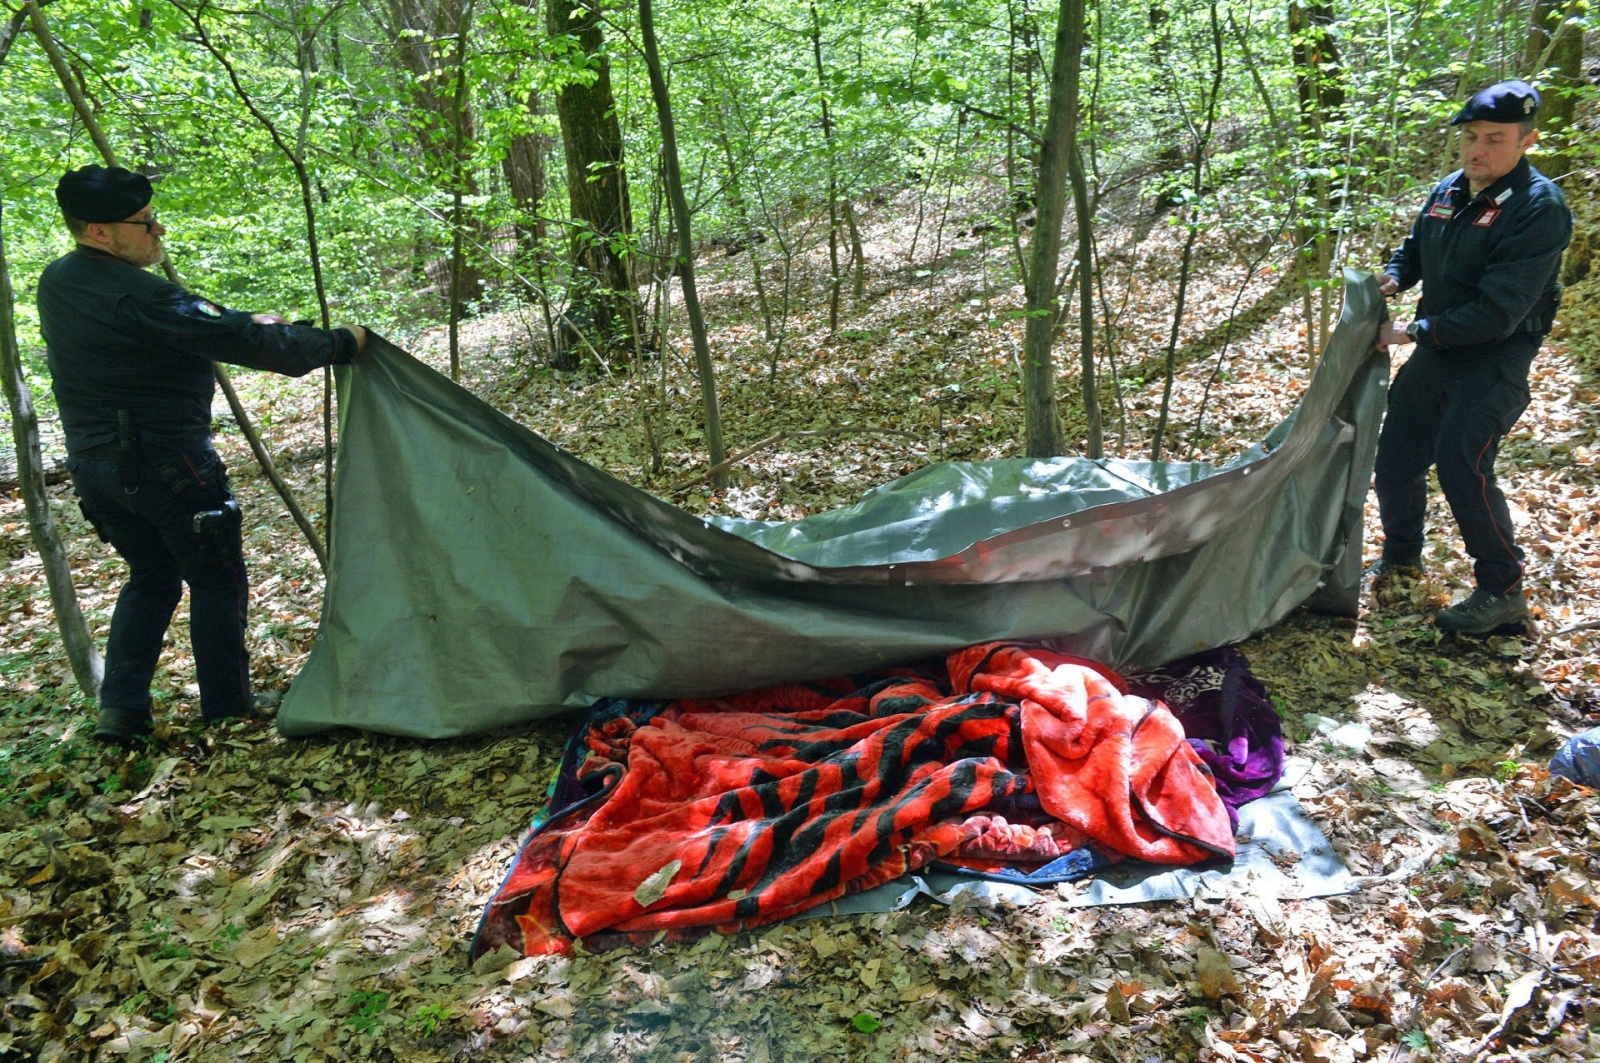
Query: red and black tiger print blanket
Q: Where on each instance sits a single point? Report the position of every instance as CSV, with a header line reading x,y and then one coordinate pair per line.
x,y
735,812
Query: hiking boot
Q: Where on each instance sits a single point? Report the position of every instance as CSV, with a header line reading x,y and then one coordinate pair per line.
x,y
1486,614
123,727
265,703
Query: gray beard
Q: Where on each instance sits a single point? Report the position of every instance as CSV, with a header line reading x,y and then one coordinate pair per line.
x,y
141,259
154,258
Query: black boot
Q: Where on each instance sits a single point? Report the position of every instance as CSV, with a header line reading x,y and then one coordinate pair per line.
x,y
1486,614
123,726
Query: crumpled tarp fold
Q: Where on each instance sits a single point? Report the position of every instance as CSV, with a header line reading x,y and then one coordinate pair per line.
x,y
481,576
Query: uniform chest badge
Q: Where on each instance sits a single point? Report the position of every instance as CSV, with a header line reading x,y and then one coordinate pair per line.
x,y
1442,210
1487,218
207,309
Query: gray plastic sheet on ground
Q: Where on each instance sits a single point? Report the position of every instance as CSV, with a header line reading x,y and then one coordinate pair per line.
x,y
481,576
1281,855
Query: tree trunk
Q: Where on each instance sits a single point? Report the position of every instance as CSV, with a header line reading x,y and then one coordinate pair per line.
x,y
858,257
1086,278
597,181
87,667
1022,158
459,176
443,114
524,171
1202,140
1045,438
1555,50
834,279
685,249
1320,89
9,32
1319,73
523,167
741,211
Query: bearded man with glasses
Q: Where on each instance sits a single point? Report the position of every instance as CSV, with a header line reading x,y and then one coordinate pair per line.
x,y
131,359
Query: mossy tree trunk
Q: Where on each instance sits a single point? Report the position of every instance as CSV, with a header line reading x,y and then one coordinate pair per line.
x,y
597,189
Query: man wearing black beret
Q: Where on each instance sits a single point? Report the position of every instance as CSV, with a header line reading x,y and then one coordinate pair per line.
x,y
1486,248
131,360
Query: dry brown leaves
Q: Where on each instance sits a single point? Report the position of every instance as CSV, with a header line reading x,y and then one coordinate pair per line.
x,y
231,895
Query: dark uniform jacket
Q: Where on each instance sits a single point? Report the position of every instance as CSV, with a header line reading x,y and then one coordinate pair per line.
x,y
1488,265
121,338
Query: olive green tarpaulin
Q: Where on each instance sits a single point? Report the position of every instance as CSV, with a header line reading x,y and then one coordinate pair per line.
x,y
481,576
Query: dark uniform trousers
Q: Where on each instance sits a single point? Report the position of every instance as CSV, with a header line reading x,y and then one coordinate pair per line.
x,y
152,527
1452,413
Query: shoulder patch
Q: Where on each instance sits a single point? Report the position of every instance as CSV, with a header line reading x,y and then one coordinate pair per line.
x,y
208,309
1487,218
1442,210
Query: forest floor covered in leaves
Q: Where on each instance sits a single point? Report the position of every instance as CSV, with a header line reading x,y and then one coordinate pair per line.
x,y
230,894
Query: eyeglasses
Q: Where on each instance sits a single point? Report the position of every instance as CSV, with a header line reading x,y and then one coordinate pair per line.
x,y
149,223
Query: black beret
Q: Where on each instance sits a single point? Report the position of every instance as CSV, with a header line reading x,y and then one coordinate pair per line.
x,y
1504,101
102,193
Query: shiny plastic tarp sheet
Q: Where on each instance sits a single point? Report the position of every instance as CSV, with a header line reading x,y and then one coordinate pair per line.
x,y
481,576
